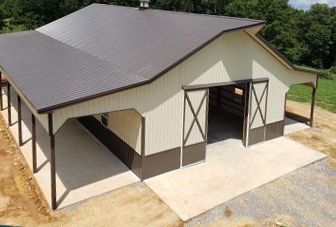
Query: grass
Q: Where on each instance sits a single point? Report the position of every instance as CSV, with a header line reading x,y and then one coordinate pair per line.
x,y
325,96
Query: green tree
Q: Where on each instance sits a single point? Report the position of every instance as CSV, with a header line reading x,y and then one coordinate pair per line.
x,y
305,37
318,33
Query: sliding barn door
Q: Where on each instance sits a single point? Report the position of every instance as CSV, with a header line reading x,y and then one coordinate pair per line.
x,y
256,123
195,126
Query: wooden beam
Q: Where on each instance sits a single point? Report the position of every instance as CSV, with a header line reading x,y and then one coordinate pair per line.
x,y
34,143
52,162
9,104
312,108
1,99
19,120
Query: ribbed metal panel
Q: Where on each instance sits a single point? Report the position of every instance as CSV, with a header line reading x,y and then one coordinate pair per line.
x,y
50,73
102,49
145,42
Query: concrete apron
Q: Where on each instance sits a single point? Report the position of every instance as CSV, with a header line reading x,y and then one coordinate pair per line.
x,y
84,167
292,126
229,171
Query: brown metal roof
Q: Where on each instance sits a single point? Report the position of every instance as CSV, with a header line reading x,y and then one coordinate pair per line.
x,y
102,49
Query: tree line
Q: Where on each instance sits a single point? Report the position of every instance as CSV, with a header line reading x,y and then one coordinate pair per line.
x,y
304,37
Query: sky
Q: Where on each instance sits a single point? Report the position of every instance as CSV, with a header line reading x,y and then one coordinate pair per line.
x,y
305,4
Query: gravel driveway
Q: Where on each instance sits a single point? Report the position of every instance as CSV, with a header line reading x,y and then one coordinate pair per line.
x,y
305,197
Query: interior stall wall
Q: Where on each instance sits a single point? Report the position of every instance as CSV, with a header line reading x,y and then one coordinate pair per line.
x,y
229,98
126,125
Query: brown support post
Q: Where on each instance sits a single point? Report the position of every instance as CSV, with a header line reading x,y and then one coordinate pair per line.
x,y
19,120
1,100
143,133
312,109
52,162
34,143
9,104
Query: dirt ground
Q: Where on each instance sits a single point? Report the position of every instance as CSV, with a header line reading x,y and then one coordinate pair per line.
x,y
21,201
323,136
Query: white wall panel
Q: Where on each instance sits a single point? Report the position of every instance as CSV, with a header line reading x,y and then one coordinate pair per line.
x,y
127,126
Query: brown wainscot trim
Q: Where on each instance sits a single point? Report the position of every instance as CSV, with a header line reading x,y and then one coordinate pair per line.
x,y
161,162
273,130
194,153
256,135
116,145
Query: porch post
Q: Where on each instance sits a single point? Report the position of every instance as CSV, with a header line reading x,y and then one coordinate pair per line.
x,y
1,100
34,143
52,162
312,109
19,120
9,104
143,132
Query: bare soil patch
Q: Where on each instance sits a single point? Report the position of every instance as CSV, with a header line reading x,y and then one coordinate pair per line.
x,y
23,204
21,201
323,136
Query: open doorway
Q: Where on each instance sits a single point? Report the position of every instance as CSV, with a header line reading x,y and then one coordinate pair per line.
x,y
227,108
298,115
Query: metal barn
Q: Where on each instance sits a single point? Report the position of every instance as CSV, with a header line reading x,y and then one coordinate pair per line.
x,y
154,87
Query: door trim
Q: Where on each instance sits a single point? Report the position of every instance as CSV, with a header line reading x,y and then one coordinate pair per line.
x,y
236,82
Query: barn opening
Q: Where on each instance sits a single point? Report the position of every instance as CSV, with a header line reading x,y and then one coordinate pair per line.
x,y
227,107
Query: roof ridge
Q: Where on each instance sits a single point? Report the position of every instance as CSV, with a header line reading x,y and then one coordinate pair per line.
x,y
181,12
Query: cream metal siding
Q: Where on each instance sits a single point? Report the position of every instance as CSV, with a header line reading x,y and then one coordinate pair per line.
x,y
127,126
233,56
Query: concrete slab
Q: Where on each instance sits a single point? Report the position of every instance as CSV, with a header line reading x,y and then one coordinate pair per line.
x,y
292,126
229,171
84,167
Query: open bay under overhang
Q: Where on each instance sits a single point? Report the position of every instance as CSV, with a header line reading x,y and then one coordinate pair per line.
x,y
83,167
